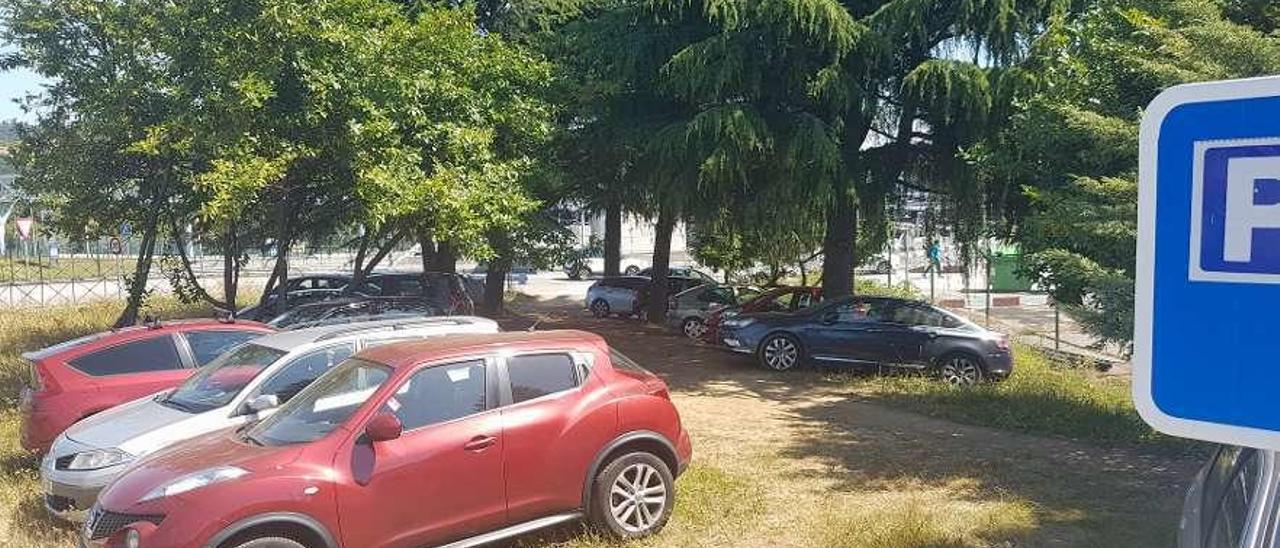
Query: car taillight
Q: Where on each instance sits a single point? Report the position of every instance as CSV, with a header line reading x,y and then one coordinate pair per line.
x,y
1003,342
34,381
656,387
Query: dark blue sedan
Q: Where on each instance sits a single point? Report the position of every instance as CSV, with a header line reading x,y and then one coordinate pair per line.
x,y
873,331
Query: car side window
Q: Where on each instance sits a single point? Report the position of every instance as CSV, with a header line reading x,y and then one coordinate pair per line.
x,y
152,354
718,295
440,393
297,374
207,345
1229,489
537,375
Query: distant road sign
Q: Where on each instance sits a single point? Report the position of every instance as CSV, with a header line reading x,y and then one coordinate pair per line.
x,y
25,226
126,230
1206,361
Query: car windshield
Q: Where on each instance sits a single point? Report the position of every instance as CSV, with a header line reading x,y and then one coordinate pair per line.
x,y
217,383
323,406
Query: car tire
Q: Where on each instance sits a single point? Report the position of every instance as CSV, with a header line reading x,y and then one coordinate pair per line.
x,y
631,270
582,273
633,496
960,369
271,542
600,308
693,328
574,273
780,352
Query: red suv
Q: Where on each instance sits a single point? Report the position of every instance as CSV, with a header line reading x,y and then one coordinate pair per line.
x,y
467,439
77,378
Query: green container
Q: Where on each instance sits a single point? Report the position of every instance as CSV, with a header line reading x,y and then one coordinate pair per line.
x,y
1004,271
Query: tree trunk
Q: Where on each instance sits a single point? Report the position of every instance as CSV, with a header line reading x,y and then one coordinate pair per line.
x,y
495,278
661,264
613,239
446,257
838,246
230,268
141,271
427,243
284,240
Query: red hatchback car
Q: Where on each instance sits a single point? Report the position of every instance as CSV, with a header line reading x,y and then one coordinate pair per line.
x,y
77,378
778,299
463,439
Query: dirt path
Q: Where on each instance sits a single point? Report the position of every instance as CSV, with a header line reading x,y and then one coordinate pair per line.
x,y
824,466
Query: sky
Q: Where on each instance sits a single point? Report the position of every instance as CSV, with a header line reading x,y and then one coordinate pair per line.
x,y
16,84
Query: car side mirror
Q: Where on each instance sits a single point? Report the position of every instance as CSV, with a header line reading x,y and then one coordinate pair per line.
x,y
383,427
263,402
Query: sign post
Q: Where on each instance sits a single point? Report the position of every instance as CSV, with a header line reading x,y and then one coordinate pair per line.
x,y
1208,277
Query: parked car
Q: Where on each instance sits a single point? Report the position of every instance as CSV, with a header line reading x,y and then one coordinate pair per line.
x,y
592,264
873,331
239,387
299,291
348,309
75,379
620,295
682,272
628,295
447,290
1231,500
784,299
461,440
688,310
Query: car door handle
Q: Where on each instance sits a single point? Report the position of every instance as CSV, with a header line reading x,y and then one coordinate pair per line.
x,y
480,443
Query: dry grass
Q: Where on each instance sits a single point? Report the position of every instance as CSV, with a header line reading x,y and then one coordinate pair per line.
x,y
792,461
23,521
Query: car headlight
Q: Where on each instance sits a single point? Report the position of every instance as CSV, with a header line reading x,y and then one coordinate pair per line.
x,y
736,323
97,459
197,480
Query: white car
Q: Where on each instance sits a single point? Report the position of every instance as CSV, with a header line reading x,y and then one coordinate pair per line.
x,y
243,385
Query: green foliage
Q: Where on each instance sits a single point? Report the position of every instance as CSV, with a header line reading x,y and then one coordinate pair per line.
x,y
1071,144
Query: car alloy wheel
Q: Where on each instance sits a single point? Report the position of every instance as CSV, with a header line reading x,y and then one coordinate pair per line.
x,y
780,353
631,270
582,273
961,370
599,308
694,328
633,496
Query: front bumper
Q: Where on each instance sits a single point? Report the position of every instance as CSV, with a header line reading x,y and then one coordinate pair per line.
x,y
69,494
733,340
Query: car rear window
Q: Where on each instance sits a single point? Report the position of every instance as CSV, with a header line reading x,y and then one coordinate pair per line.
x,y
153,354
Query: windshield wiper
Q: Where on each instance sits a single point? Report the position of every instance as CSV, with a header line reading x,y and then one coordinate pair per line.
x,y
176,404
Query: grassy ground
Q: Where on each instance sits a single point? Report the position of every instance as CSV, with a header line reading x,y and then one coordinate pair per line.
x,y
808,459
19,270
1040,398
22,518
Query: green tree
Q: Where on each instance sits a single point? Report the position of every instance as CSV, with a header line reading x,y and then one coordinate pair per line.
x,y
836,102
1072,142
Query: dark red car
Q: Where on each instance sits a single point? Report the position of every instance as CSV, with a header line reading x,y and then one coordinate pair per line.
x,y
77,378
778,299
467,439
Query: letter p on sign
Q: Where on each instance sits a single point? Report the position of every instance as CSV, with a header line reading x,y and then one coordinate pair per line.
x,y
1235,231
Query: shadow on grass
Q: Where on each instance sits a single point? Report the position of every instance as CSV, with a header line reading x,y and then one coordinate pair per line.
x,y
1075,451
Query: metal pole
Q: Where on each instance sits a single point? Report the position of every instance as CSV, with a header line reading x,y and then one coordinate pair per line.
x,y
1057,329
931,277
988,287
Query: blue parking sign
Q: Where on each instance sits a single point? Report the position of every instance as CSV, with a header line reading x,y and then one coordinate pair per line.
x,y
1207,311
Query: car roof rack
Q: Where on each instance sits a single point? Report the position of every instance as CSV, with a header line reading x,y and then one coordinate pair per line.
x,y
396,325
